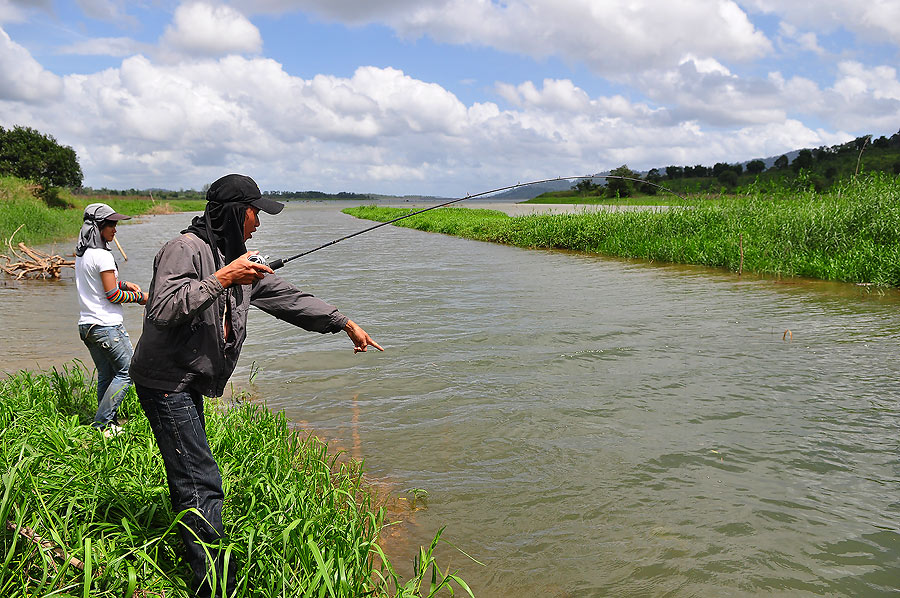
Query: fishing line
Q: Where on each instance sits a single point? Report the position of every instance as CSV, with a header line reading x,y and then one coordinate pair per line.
x,y
278,263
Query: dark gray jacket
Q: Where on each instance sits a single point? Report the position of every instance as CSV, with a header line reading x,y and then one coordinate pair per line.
x,y
182,345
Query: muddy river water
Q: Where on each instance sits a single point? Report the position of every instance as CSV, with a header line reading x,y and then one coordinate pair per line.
x,y
583,426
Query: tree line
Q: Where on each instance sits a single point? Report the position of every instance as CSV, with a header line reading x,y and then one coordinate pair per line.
x,y
818,167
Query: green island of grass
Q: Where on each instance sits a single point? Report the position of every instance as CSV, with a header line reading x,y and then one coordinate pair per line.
x,y
86,515
850,233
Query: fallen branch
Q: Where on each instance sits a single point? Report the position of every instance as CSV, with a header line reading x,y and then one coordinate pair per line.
x,y
32,262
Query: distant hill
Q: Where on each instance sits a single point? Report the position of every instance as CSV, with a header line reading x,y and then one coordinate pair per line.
x,y
770,161
532,191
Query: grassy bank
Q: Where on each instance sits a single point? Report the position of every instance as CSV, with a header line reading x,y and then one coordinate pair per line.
x,y
300,523
569,197
850,234
44,224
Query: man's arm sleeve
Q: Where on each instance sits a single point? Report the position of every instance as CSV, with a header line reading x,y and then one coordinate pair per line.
x,y
177,294
279,298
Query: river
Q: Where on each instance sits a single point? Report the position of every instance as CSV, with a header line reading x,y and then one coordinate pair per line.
x,y
583,426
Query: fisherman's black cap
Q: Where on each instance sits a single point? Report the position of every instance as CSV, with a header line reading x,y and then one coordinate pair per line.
x,y
239,188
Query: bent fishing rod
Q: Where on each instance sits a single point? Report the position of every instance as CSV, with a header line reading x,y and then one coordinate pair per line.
x,y
278,263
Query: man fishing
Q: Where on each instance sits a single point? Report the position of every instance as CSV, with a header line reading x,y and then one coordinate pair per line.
x,y
194,326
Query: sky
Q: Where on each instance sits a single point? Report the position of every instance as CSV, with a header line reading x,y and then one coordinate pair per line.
x,y
440,97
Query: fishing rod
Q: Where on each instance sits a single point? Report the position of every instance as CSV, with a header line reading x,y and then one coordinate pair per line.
x,y
278,263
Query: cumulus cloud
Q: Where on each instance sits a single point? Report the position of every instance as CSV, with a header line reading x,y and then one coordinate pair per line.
x,y
182,123
22,77
613,37
13,11
106,46
555,95
875,20
867,95
201,29
703,92
861,98
106,10
791,38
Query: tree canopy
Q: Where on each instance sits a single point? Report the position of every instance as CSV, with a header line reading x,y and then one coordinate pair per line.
x,y
585,187
620,187
29,154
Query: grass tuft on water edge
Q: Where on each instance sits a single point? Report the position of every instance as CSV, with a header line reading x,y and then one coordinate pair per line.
x,y
300,522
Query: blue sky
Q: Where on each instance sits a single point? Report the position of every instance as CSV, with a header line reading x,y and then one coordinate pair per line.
x,y
440,97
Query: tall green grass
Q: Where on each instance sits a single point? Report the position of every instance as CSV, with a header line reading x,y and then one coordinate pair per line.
x,y
42,223
850,234
300,522
45,224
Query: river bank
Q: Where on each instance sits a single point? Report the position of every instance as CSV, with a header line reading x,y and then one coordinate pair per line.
x,y
299,520
300,516
849,234
45,224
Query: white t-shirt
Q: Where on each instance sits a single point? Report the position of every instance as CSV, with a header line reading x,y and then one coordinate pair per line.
x,y
95,307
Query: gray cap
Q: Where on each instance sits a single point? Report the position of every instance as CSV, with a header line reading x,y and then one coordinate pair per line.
x,y
98,212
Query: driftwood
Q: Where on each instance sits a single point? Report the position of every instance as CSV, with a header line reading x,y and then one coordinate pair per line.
x,y
32,262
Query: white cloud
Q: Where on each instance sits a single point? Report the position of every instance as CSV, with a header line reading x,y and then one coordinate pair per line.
x,y
184,123
201,29
873,20
855,80
13,11
612,37
107,10
556,95
864,97
708,94
106,46
22,77
790,37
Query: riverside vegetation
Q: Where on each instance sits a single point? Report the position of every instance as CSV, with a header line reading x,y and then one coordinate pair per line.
x,y
45,224
849,233
300,522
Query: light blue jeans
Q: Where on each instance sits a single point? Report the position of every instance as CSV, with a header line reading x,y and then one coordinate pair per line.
x,y
111,350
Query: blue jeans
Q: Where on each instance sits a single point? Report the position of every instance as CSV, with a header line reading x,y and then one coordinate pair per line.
x,y
110,348
179,426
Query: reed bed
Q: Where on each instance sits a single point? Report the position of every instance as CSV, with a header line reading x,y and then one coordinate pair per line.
x,y
85,515
850,233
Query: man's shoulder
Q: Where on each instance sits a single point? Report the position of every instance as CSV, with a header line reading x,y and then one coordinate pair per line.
x,y
184,251
184,241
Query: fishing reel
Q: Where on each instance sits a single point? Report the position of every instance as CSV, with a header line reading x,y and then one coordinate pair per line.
x,y
258,258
